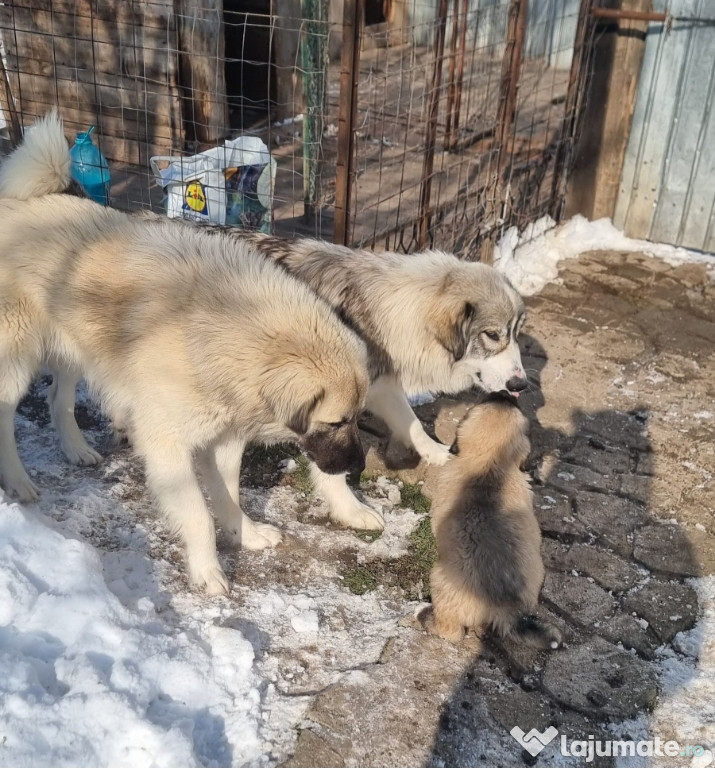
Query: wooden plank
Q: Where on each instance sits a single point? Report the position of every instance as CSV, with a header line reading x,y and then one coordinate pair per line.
x,y
150,13
136,55
201,69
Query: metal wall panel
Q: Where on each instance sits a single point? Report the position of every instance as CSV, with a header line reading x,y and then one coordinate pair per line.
x,y
667,190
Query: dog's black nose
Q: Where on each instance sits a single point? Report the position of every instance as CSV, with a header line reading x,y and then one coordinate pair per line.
x,y
516,384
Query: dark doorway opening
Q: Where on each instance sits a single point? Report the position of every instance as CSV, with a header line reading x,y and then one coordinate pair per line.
x,y
250,78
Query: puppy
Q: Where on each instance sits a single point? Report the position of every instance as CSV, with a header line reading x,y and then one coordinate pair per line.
x,y
489,570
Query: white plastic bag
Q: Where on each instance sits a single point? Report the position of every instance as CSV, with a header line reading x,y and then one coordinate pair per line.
x,y
232,184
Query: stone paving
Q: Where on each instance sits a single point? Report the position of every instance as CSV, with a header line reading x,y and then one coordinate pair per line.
x,y
622,408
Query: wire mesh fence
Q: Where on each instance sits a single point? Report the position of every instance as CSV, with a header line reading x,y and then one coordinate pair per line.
x,y
397,124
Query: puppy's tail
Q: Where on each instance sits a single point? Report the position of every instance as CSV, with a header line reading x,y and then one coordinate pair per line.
x,y
40,165
531,630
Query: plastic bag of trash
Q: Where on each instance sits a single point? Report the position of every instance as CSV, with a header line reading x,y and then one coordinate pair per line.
x,y
231,184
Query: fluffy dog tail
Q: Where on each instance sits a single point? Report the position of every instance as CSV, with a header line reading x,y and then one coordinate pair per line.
x,y
40,165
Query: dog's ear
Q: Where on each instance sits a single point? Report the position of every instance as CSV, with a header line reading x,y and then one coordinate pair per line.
x,y
299,420
453,334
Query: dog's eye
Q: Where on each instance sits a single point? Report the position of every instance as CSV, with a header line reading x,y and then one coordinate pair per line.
x,y
492,335
337,424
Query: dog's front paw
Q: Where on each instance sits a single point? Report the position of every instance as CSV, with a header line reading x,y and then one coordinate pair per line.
x,y
209,576
435,453
18,485
357,515
80,453
260,535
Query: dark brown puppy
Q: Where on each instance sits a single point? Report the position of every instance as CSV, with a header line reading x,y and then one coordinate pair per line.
x,y
489,570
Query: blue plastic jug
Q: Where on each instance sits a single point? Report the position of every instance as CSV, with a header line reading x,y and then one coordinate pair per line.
x,y
89,167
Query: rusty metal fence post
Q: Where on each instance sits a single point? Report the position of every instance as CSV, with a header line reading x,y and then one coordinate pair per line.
x,y
509,86
423,215
456,73
353,18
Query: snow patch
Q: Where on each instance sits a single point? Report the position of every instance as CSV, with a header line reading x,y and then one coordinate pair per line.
x,y
531,260
85,680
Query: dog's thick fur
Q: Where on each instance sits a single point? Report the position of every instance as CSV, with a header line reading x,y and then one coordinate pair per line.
x,y
200,344
489,570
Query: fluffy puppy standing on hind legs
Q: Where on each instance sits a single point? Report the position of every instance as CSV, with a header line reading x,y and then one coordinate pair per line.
x,y
489,570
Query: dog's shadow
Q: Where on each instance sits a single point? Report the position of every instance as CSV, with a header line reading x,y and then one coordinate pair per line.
x,y
593,486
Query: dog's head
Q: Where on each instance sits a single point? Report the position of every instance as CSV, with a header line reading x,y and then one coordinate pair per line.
x,y
479,321
317,399
493,432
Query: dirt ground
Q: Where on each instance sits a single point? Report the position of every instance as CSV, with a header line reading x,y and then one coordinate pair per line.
x,y
620,356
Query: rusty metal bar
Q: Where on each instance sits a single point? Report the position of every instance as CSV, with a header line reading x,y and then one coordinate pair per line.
x,y
423,215
456,72
451,87
511,72
8,107
572,110
614,13
461,51
353,18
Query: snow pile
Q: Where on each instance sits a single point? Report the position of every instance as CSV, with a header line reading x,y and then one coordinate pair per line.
x,y
531,260
86,681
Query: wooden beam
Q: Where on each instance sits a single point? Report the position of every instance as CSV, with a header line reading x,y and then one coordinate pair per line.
x,y
601,146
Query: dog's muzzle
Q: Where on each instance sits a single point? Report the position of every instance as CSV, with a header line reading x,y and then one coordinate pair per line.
x,y
336,451
517,384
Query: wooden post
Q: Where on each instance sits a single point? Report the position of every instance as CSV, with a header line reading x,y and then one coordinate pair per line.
x,y
201,71
423,216
511,73
353,18
600,149
572,107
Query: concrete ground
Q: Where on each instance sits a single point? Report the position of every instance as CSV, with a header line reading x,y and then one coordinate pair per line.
x,y
621,356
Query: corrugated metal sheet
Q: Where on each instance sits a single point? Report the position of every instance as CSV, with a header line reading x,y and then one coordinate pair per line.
x,y
550,32
667,190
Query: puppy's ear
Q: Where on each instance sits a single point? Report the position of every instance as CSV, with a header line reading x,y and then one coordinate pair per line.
x,y
453,332
299,420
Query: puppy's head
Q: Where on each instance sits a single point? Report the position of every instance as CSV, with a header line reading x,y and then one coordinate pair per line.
x,y
479,323
495,432
317,398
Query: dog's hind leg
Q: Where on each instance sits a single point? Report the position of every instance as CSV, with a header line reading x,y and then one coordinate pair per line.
x,y
344,507
220,466
15,375
171,478
387,400
61,400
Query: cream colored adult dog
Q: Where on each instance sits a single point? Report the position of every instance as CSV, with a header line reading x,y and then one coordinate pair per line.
x,y
489,571
198,342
